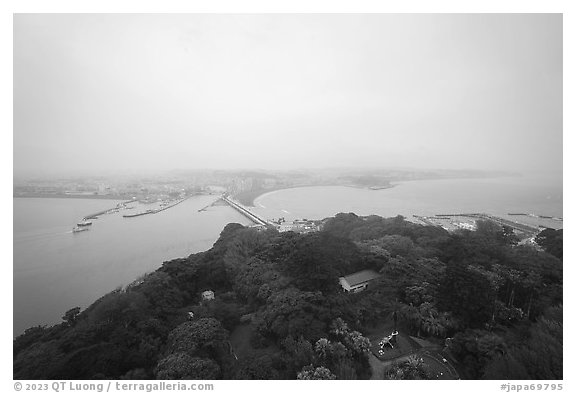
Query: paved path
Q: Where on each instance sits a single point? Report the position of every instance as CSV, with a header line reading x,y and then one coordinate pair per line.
x,y
377,367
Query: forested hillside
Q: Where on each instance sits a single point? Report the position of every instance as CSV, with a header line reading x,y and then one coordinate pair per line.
x,y
280,313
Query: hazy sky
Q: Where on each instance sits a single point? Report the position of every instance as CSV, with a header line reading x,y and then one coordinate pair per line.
x,y
103,92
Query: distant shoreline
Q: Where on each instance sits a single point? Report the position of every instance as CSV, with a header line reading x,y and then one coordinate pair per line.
x,y
247,198
68,196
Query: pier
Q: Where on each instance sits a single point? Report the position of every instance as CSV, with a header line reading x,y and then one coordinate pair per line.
x,y
452,222
108,211
246,213
154,211
210,205
139,214
523,228
528,229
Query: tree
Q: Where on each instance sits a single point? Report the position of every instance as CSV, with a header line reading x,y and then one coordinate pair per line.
x,y
183,366
256,368
352,339
411,368
137,373
41,360
309,372
503,234
322,348
539,356
297,354
328,353
225,309
509,236
70,316
317,260
29,337
161,291
294,312
342,224
532,282
398,245
204,336
467,294
344,369
475,348
551,241
418,294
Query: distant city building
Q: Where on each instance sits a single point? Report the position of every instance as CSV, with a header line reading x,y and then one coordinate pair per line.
x,y
358,281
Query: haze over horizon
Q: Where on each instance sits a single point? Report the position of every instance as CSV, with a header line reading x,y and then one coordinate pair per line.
x,y
145,92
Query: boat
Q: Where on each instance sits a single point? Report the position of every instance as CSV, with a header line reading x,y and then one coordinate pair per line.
x,y
79,229
84,223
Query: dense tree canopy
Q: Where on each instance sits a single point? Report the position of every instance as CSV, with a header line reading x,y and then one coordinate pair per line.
x,y
496,303
551,241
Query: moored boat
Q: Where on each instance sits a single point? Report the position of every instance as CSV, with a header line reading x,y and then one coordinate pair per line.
x,y
84,223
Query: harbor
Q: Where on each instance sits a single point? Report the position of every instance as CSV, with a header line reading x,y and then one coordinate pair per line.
x,y
164,205
85,224
119,206
120,250
524,230
525,225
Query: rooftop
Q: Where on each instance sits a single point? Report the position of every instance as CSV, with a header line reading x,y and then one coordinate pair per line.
x,y
360,277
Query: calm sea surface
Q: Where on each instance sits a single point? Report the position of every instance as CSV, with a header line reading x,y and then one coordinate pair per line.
x,y
55,270
499,196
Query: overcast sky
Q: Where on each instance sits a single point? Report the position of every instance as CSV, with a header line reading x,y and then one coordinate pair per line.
x,y
152,92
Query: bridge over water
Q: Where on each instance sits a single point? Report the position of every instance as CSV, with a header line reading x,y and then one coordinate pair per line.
x,y
247,213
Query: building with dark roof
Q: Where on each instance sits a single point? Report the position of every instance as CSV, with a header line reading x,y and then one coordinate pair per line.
x,y
358,281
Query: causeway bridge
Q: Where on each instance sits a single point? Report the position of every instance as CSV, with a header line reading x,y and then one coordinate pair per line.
x,y
246,213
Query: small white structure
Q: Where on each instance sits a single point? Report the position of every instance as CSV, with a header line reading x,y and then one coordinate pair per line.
x,y
298,227
388,340
358,281
465,225
207,295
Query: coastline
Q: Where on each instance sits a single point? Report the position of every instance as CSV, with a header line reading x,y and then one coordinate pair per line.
x,y
248,198
68,196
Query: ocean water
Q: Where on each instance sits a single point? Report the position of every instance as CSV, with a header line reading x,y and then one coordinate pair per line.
x,y
499,196
55,269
